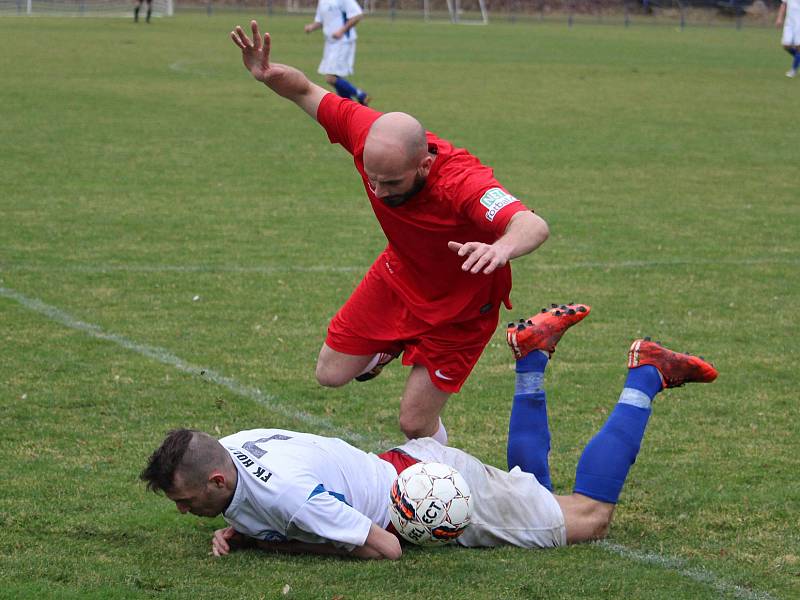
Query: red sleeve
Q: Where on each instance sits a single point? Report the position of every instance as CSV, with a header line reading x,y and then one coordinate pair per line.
x,y
487,203
346,122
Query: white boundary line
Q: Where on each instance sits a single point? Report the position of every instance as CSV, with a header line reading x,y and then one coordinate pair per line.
x,y
274,404
163,356
680,566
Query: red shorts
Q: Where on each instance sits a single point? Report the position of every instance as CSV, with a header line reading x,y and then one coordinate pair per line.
x,y
400,461
375,319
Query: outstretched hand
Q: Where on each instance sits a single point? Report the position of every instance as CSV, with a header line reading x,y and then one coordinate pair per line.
x,y
255,52
481,257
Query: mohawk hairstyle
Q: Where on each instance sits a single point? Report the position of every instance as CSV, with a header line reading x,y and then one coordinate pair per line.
x,y
160,471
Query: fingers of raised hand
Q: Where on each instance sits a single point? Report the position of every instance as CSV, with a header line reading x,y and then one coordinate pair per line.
x,y
240,38
266,47
256,35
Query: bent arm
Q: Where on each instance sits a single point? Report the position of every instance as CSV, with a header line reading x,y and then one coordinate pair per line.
x,y
379,544
525,232
295,86
349,24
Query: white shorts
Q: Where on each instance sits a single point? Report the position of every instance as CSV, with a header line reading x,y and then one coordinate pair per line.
x,y
791,31
338,58
508,508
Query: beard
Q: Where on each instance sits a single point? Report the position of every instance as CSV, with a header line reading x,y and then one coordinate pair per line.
x,y
399,199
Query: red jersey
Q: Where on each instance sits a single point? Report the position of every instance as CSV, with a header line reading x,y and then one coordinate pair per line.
x,y
461,201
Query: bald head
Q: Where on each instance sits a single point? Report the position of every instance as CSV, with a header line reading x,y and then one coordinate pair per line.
x,y
395,140
396,158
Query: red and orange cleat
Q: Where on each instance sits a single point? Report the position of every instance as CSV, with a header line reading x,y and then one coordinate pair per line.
x,y
542,331
676,368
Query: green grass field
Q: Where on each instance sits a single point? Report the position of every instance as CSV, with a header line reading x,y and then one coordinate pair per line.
x,y
173,241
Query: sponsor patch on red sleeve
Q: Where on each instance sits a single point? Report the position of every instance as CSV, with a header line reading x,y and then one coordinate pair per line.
x,y
495,199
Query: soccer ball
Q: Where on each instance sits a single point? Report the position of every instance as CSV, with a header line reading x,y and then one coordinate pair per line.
x,y
430,503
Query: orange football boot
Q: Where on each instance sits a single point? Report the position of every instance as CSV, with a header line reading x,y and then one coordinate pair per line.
x,y
542,331
675,368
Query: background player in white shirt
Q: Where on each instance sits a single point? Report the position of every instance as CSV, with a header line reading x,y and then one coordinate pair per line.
x,y
296,492
789,18
338,20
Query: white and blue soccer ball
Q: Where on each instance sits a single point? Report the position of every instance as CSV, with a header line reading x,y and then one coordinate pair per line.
x,y
430,503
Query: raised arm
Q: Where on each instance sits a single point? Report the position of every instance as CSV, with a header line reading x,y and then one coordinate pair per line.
x,y
284,80
525,232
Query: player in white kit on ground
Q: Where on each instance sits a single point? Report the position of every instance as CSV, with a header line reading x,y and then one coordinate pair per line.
x,y
297,492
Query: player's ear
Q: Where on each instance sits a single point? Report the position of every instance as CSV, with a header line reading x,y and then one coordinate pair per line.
x,y
216,479
425,166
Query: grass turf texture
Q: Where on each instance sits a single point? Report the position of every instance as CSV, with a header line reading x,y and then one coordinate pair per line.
x,y
141,167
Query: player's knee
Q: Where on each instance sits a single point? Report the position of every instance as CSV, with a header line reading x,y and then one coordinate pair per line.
x,y
413,428
328,377
599,521
602,525
586,519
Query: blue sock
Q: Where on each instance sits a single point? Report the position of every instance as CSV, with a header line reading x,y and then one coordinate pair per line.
x,y
796,61
528,431
607,458
792,51
344,88
644,379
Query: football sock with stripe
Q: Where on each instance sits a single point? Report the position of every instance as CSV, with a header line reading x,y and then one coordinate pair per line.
x,y
528,430
607,458
796,61
344,88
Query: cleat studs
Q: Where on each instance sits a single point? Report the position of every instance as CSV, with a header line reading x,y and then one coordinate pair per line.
x,y
571,311
563,307
544,310
647,338
511,324
521,327
529,322
581,309
554,306
557,313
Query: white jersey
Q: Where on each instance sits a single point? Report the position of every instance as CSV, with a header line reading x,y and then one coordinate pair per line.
x,y
791,23
299,486
335,13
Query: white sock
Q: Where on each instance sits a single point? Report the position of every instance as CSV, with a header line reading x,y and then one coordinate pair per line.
x,y
371,364
441,434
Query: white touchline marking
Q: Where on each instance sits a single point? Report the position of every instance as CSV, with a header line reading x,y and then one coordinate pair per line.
x,y
163,356
186,66
273,403
697,574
